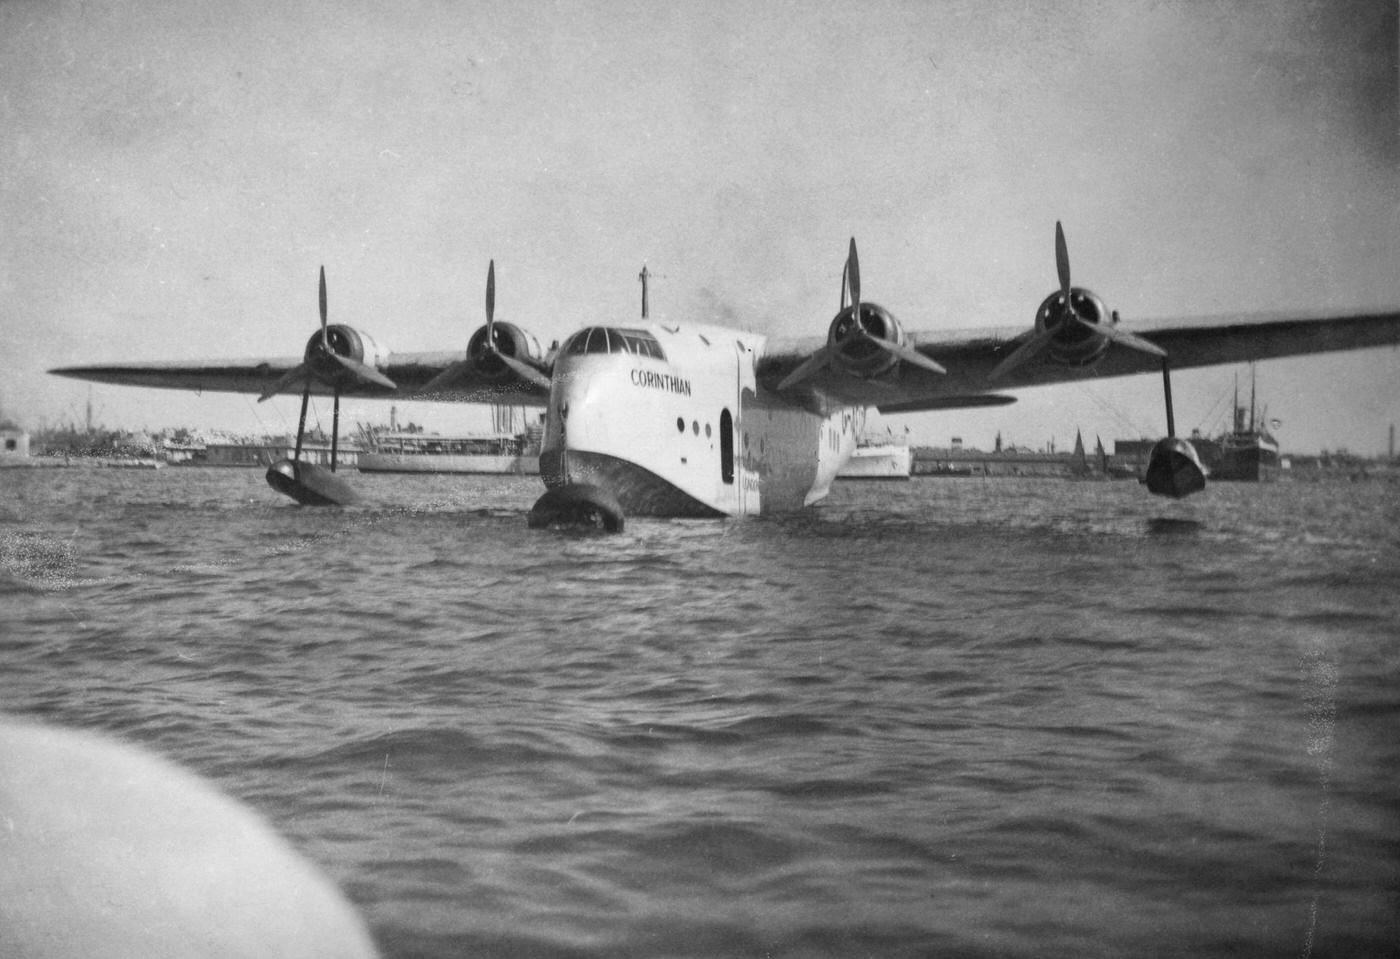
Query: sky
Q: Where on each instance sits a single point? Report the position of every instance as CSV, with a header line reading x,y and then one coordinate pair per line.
x,y
174,172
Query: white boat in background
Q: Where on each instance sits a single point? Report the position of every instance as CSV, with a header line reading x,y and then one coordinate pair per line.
x,y
883,461
511,446
131,462
878,455
511,453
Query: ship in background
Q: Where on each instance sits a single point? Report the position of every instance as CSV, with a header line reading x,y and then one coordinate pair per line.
x,y
878,460
511,447
879,457
1248,452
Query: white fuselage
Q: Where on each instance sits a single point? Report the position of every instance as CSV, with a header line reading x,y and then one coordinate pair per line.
x,y
684,430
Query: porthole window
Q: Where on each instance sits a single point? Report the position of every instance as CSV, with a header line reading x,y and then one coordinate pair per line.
x,y
707,431
695,427
680,424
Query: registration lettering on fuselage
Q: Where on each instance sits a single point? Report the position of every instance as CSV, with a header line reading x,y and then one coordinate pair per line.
x,y
666,382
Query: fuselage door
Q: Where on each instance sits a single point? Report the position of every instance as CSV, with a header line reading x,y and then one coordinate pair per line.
x,y
726,447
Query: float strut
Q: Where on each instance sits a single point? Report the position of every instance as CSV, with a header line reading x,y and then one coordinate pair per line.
x,y
301,423
1167,391
335,429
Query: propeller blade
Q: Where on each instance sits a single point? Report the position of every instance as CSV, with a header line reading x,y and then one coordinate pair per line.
x,y
525,371
335,430
300,371
446,378
364,372
853,272
845,272
906,354
521,369
1122,337
809,367
1062,263
491,306
490,291
325,341
1028,349
450,376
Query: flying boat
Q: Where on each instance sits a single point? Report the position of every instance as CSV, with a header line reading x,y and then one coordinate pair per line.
x,y
646,417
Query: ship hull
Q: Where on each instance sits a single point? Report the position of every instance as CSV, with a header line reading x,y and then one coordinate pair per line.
x,y
448,463
1250,465
878,463
1244,458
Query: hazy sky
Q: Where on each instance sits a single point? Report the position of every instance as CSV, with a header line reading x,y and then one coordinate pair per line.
x,y
172,174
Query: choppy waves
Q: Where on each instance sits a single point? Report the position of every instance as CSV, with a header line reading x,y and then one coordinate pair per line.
x,y
945,717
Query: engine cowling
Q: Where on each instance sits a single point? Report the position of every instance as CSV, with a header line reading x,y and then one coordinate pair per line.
x,y
1074,344
859,355
510,340
343,341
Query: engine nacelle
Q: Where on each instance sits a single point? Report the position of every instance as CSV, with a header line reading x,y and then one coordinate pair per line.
x,y
510,340
347,342
1073,343
859,355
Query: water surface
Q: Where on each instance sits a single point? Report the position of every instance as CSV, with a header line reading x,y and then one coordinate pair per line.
x,y
947,717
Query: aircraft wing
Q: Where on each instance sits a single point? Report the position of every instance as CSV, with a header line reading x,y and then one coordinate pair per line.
x,y
970,356
410,372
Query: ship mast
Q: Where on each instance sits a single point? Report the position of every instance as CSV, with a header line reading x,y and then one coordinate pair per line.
x,y
1251,397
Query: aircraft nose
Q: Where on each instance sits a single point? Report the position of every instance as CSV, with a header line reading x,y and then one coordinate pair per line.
x,y
573,402
562,427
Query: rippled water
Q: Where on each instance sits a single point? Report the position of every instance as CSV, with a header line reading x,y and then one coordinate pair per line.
x,y
947,717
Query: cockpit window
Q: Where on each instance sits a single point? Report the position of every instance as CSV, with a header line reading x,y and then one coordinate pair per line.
x,y
605,339
641,343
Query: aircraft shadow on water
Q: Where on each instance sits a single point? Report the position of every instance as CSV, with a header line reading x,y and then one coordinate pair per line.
x,y
677,419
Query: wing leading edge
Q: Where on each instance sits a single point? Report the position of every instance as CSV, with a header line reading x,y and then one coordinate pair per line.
x,y
410,372
971,357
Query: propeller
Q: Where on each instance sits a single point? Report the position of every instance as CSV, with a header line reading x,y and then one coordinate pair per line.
x,y
1041,337
850,279
1106,330
524,370
305,371
454,372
